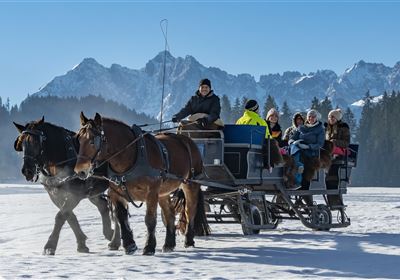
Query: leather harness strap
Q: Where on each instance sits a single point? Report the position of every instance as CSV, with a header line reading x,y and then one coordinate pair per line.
x,y
142,167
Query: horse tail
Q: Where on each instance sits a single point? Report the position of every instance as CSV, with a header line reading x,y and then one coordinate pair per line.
x,y
179,203
201,227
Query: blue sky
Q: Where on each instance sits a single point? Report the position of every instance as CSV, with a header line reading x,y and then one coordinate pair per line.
x,y
44,39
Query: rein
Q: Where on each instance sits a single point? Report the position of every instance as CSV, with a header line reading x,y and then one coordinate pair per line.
x,y
133,142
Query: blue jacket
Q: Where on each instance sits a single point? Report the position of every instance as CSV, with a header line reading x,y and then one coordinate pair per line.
x,y
313,136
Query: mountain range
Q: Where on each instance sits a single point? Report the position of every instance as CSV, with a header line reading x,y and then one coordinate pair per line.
x,y
142,89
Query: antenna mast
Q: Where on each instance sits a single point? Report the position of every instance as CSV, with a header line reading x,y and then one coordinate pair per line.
x,y
165,33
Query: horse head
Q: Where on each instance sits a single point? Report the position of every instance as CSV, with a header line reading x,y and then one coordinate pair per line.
x,y
30,141
92,142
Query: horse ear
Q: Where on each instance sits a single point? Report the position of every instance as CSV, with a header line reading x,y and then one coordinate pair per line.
x,y
84,120
19,127
41,120
97,120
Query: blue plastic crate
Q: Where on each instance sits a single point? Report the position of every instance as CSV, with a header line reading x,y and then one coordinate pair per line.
x,y
247,134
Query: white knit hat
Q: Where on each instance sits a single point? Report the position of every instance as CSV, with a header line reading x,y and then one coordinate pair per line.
x,y
315,113
271,112
337,114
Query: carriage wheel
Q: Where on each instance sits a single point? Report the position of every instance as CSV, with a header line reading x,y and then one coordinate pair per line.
x,y
320,215
252,212
278,199
233,209
272,219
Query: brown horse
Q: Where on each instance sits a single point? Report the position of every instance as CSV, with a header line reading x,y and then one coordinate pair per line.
x,y
150,175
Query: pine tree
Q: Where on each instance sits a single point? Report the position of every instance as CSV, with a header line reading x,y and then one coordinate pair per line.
x,y
285,119
348,117
8,104
315,103
324,109
243,103
269,104
226,110
237,110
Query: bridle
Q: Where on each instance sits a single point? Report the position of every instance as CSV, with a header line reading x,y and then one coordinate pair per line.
x,y
37,160
99,142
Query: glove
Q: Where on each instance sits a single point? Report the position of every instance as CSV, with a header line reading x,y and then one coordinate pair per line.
x,y
303,146
174,119
297,142
203,122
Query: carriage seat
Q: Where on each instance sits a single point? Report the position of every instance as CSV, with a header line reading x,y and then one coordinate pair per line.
x,y
243,150
251,136
351,157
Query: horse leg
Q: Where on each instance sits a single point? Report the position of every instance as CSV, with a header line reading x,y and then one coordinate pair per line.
x,y
151,221
126,232
102,205
169,222
51,245
80,236
116,238
191,194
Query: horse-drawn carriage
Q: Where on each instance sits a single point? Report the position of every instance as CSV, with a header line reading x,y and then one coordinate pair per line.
x,y
137,166
239,190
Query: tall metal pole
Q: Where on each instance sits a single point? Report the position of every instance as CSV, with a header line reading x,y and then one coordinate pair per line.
x,y
165,33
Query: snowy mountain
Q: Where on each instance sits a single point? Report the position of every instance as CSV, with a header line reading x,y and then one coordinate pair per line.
x,y
141,89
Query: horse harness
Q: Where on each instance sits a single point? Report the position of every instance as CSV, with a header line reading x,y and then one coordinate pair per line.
x,y
142,167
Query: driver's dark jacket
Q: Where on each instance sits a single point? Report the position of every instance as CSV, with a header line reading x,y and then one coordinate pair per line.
x,y
209,104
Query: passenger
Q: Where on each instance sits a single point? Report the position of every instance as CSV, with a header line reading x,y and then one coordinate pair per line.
x,y
339,133
205,105
251,117
296,122
272,119
306,142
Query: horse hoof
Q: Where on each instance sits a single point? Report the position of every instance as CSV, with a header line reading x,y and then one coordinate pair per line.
x,y
188,245
167,249
113,247
148,252
83,249
49,251
131,249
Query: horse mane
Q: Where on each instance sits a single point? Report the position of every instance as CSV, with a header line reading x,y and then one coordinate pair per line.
x,y
55,137
115,122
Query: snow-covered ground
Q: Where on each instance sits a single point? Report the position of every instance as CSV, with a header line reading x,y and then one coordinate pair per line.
x,y
369,248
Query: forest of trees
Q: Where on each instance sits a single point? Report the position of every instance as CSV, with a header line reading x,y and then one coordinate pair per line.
x,y
377,132
60,111
378,135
